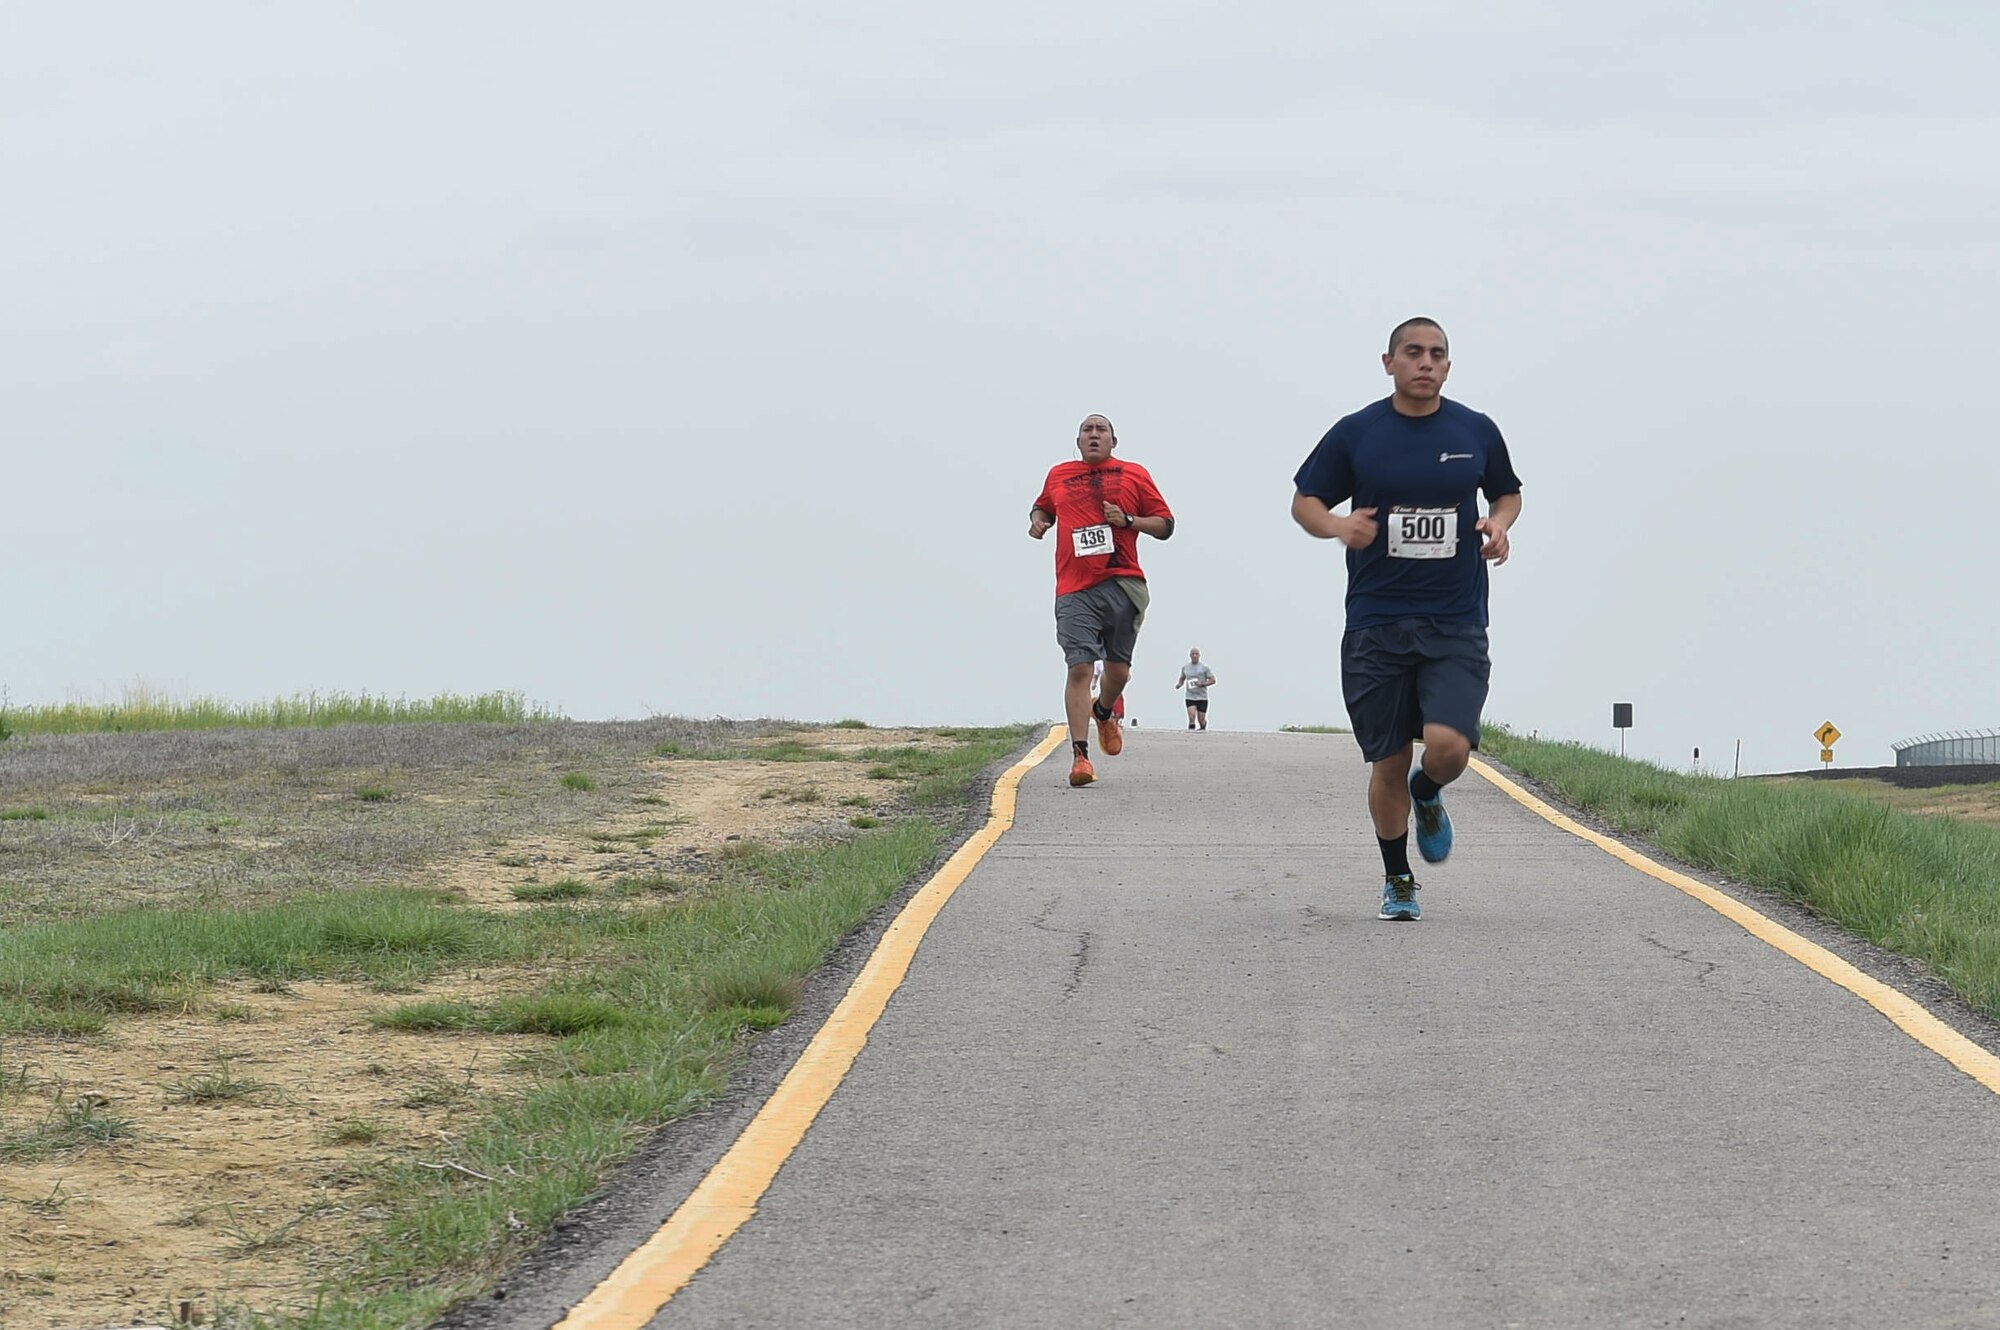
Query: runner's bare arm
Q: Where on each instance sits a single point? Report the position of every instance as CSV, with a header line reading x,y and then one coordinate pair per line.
x,y
1500,517
1159,528
1356,530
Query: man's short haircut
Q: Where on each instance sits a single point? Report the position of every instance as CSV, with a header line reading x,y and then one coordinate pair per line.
x,y
1097,415
1396,337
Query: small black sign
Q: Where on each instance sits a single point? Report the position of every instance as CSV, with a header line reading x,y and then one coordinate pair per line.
x,y
1621,715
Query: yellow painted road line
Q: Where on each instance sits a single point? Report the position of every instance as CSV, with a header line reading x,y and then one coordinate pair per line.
x,y
633,1294
1908,1015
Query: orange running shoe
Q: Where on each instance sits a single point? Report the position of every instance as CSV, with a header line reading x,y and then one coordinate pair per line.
x,y
1081,772
1110,736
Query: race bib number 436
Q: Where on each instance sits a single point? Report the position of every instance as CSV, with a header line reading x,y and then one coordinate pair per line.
x,y
1090,541
1423,533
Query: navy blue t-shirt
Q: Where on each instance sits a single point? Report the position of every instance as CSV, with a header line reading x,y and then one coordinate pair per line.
x,y
1414,471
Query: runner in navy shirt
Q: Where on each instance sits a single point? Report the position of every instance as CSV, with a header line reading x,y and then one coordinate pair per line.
x,y
1413,662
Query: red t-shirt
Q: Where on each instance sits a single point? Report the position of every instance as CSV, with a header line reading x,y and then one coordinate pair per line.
x,y
1088,549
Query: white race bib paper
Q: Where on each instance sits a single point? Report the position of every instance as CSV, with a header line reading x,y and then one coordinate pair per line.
x,y
1423,533
1091,541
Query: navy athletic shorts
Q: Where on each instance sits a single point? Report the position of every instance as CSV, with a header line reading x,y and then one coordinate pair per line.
x,y
1399,677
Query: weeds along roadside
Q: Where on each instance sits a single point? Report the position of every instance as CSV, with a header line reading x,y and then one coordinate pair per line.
x,y
143,709
1926,887
664,975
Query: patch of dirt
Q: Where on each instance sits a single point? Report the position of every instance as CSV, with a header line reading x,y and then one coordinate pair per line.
x,y
250,1200
691,810
230,1196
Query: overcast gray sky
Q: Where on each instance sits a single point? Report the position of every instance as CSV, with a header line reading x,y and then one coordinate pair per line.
x,y
705,360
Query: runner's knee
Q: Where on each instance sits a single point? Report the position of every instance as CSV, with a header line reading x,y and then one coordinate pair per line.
x,y
1446,746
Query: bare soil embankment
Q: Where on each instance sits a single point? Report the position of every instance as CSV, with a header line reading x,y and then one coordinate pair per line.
x,y
220,1152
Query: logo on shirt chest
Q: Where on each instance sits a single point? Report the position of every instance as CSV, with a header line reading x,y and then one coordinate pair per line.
x,y
1454,457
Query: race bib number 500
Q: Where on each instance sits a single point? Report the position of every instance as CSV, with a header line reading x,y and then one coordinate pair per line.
x,y
1423,533
1091,541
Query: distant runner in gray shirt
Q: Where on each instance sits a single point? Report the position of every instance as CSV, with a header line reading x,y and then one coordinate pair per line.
x,y
1197,678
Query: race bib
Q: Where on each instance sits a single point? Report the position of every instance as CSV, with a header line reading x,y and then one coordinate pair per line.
x,y
1423,533
1091,541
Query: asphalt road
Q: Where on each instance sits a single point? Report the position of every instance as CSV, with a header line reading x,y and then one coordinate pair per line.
x,y
1158,1064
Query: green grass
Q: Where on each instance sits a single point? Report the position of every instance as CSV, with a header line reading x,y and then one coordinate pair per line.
x,y
558,1013
658,988
53,1022
562,889
374,794
909,760
640,835
24,814
650,1032
850,723
437,1092
1314,729
428,1017
63,977
1926,887
701,751
864,821
354,1131
214,1087
654,1035
640,884
554,1014
69,1125
937,771
143,709
577,780
776,750
793,750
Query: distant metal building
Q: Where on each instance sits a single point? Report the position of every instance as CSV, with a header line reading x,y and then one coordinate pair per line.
x,y
1953,748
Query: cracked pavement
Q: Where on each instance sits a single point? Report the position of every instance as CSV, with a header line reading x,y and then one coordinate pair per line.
x,y
1158,1064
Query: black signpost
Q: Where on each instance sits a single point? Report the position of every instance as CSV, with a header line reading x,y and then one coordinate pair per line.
x,y
1621,720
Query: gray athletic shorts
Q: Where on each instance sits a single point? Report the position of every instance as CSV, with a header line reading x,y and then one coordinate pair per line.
x,y
1399,677
1098,623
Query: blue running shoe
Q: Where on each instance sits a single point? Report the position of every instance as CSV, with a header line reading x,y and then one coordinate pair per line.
x,y
1399,898
1433,827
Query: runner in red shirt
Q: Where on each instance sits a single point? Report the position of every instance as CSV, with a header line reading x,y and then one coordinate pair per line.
x,y
1098,506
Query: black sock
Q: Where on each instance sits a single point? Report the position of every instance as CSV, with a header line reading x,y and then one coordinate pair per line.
x,y
1081,747
1395,855
1099,710
1423,787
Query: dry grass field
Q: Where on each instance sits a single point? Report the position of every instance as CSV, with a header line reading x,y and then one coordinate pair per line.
x,y
1966,803
271,1001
